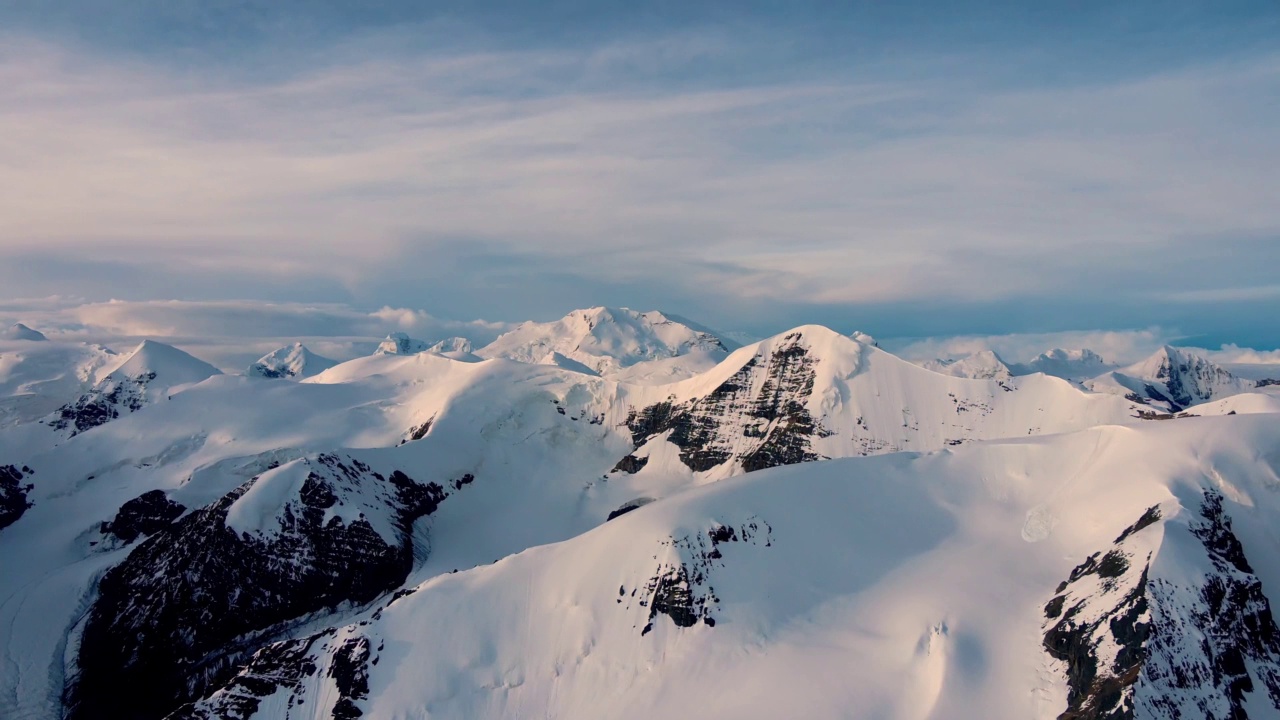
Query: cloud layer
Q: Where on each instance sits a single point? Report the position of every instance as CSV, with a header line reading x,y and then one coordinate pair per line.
x,y
510,182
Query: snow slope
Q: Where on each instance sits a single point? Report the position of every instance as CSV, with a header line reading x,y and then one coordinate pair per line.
x,y
152,372
38,378
605,339
163,551
980,578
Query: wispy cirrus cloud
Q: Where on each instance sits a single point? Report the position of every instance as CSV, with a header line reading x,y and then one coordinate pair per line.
x,y
542,179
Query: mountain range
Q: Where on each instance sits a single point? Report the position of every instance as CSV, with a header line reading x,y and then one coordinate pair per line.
x,y
626,514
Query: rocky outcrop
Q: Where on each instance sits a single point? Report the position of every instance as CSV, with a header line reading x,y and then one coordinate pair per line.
x,y
13,493
291,667
682,590
1135,644
193,601
102,404
765,401
147,514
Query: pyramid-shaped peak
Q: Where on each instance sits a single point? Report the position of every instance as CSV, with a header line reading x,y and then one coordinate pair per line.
x,y
290,361
18,331
174,366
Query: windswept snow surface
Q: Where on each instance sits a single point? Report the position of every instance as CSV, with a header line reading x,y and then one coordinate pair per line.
x,y
673,530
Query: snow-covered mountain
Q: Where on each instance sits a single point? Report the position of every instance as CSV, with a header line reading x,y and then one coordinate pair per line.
x,y
398,343
18,331
605,340
139,378
451,345
1076,365
290,361
1011,580
36,378
1173,380
676,529
984,365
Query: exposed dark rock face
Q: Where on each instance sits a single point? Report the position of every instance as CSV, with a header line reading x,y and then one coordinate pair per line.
x,y
766,401
103,404
1265,382
1215,647
350,672
147,514
294,667
13,493
630,464
269,372
1138,645
628,507
421,431
280,665
683,591
191,602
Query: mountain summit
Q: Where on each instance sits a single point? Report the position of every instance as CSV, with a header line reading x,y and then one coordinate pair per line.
x,y
18,331
1172,378
132,382
290,361
606,339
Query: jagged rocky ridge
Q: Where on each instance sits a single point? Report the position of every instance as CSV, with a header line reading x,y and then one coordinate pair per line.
x,y
1136,644
188,604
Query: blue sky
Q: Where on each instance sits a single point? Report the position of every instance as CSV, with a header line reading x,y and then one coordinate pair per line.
x,y
905,168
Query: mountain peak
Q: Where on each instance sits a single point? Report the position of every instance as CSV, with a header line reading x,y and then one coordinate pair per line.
x,y
18,331
1174,378
398,343
605,339
174,366
290,361
982,365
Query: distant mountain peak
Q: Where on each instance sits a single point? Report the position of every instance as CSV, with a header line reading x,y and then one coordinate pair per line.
x,y
606,339
398,343
290,361
451,345
1173,378
1076,364
18,331
982,365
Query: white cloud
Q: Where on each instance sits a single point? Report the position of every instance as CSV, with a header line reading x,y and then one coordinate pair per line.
x,y
821,191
